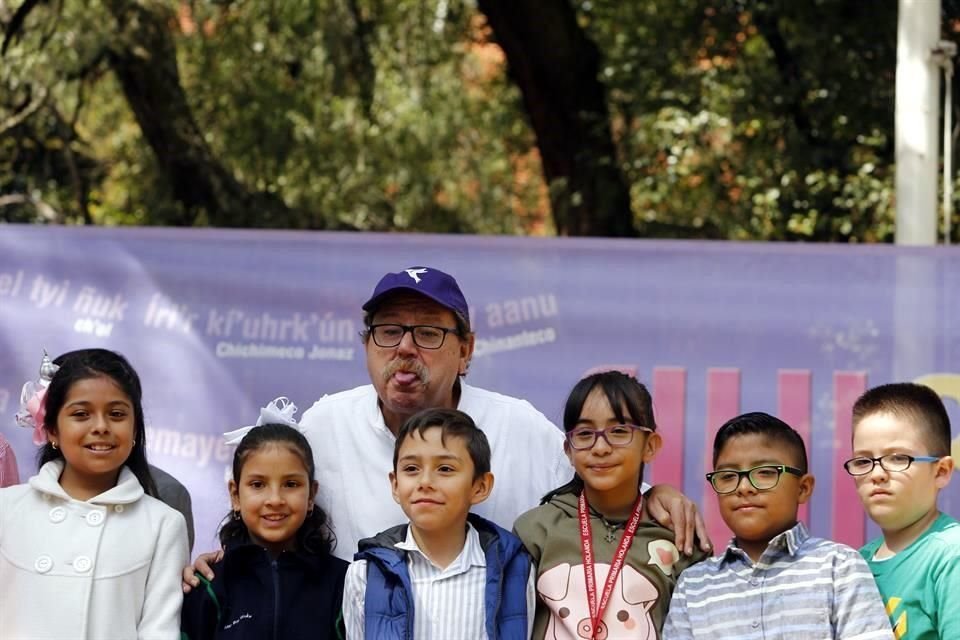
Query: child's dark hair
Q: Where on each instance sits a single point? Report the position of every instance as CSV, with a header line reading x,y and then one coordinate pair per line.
x,y
623,392
915,403
86,364
770,427
314,535
452,424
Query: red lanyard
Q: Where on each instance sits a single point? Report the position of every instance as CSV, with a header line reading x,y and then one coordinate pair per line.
x,y
586,547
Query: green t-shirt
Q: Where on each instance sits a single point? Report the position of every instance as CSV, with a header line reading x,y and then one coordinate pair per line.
x,y
921,584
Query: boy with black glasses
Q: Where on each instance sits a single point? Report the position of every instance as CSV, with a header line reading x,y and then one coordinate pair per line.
x,y
901,460
774,580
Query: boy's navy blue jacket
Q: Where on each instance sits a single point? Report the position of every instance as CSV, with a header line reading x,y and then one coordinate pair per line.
x,y
296,596
388,601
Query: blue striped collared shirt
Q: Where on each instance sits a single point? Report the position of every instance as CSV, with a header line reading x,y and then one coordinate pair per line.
x,y
802,588
449,602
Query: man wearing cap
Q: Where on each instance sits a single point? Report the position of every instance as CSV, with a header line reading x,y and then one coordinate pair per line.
x,y
418,342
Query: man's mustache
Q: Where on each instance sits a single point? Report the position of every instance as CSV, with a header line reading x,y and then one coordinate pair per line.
x,y
407,365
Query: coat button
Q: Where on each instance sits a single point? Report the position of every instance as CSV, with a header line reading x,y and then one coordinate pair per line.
x,y
82,564
43,564
94,518
118,508
58,514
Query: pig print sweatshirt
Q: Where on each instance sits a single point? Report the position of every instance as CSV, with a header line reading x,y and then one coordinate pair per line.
x,y
641,594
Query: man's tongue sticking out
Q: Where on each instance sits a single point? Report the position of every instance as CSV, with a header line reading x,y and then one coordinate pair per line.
x,y
405,377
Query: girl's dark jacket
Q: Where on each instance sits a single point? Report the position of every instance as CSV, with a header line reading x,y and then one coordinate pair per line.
x,y
252,597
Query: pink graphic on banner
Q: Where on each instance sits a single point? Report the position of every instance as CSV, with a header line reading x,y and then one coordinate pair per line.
x,y
669,398
793,407
848,519
723,403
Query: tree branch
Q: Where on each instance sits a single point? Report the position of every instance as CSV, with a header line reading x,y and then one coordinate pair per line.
x,y
556,67
16,23
17,118
45,210
360,57
143,57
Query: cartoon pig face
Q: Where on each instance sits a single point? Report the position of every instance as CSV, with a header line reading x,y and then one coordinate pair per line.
x,y
563,589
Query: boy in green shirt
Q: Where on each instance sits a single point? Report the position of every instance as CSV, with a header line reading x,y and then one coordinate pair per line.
x,y
901,460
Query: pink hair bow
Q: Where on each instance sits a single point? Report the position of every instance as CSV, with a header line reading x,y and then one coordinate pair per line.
x,y
33,408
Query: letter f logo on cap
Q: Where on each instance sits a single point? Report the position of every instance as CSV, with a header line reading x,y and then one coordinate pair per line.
x,y
415,274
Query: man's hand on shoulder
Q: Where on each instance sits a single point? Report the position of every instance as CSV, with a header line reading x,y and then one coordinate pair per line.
x,y
202,566
678,513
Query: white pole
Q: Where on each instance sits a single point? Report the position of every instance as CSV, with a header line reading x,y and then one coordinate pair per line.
x,y
947,146
943,55
917,121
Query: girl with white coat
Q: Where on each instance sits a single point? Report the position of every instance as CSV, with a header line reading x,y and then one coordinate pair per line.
x,y
86,551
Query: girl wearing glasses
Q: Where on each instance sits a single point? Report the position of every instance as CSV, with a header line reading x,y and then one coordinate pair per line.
x,y
604,570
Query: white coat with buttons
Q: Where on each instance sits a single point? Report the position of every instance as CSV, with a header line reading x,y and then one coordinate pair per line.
x,y
104,569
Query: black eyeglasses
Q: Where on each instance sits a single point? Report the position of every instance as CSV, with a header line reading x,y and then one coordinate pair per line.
x,y
763,478
617,435
425,336
862,465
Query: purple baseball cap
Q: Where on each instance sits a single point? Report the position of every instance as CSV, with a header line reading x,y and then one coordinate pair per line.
x,y
440,287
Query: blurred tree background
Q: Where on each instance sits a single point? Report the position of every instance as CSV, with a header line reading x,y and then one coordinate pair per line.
x,y
736,119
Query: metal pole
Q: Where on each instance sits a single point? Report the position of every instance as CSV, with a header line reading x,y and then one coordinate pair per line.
x,y
947,149
943,55
917,120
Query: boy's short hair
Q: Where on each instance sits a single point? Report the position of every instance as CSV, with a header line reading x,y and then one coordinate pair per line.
x,y
452,423
914,403
771,427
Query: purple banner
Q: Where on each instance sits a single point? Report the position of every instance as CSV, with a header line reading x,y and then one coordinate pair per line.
x,y
219,322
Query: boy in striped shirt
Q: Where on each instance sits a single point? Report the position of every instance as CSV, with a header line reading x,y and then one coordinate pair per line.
x,y
774,580
447,574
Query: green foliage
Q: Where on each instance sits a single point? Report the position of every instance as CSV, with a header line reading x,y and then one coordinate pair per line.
x,y
44,158
739,119
427,141
282,96
753,120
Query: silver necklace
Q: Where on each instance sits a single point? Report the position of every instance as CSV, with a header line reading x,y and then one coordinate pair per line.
x,y
612,527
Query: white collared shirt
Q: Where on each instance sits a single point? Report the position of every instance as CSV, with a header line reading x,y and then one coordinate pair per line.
x,y
448,602
353,452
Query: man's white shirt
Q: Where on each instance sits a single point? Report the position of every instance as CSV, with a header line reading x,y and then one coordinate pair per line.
x,y
353,451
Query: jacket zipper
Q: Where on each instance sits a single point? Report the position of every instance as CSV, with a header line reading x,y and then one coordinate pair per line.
x,y
276,597
502,568
410,607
